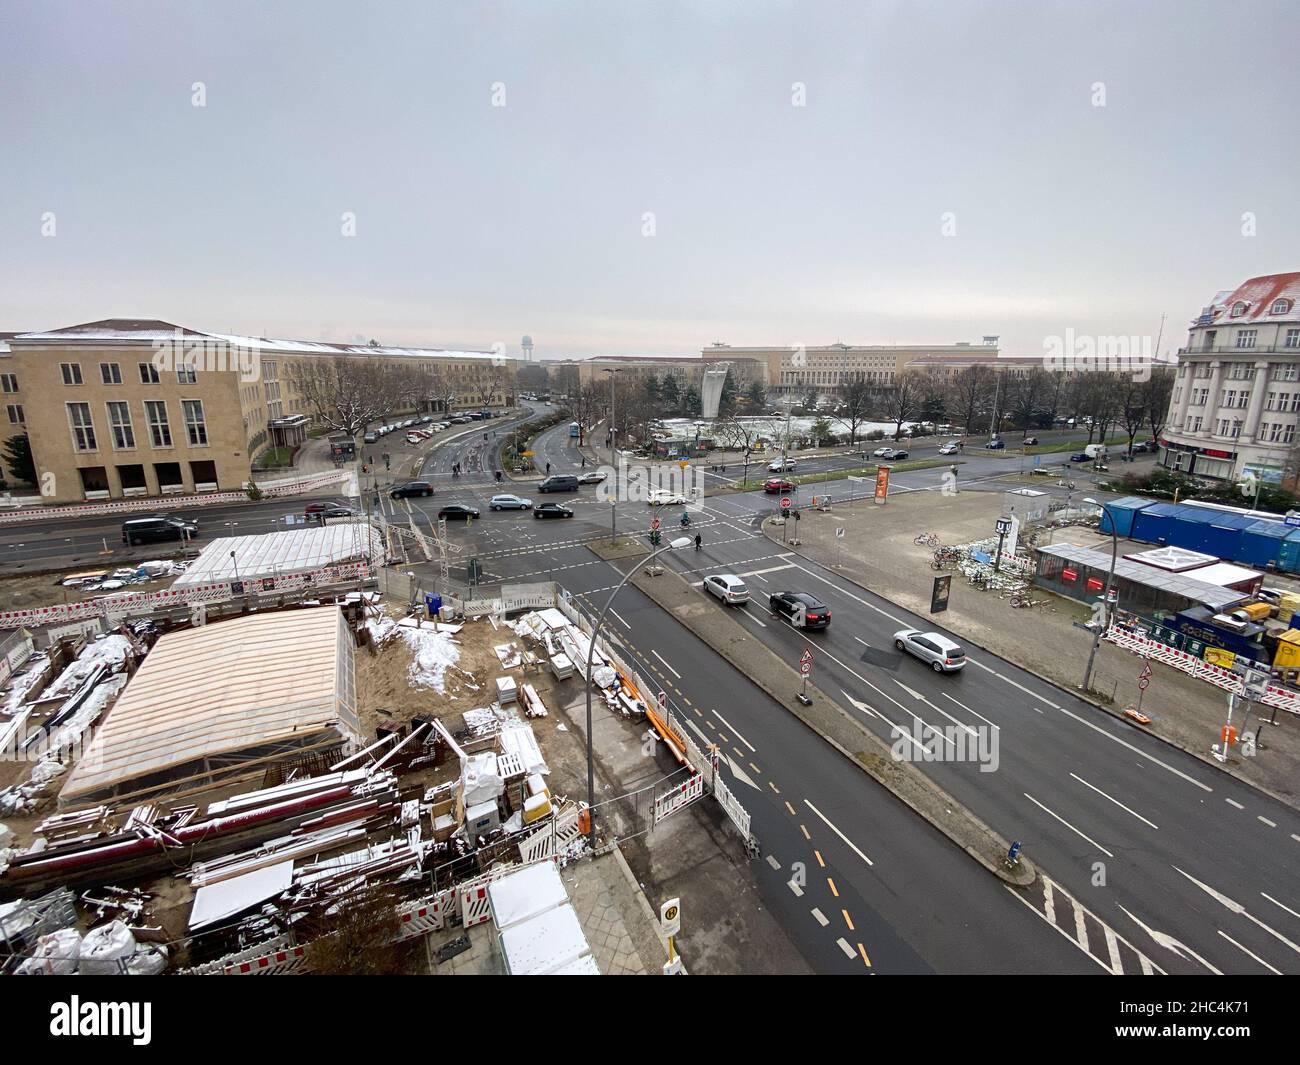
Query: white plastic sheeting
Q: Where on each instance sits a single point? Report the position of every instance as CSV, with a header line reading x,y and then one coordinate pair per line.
x,y
282,554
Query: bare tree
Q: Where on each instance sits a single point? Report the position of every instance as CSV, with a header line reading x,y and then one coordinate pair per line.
x,y
969,395
1025,398
903,402
855,407
1160,391
346,393
1134,406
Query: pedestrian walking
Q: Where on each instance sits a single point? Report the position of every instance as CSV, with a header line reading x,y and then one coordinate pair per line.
x,y
698,541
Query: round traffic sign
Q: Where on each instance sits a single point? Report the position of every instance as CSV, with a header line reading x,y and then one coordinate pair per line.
x,y
785,502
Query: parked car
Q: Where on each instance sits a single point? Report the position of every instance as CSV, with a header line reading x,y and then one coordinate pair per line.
x,y
370,437
458,511
553,510
727,587
942,654
996,445
509,502
774,485
801,609
591,477
893,454
663,497
411,488
949,448
559,482
781,465
156,529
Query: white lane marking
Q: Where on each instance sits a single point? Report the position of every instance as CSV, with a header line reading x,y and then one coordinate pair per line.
x,y
760,572
1251,953
758,575
844,591
1163,939
619,618
1114,800
842,836
1014,684
844,946
1276,903
735,730
1233,802
867,709
798,891
1238,909
821,917
918,695
665,662
1295,837
1067,824
754,617
1261,817
773,862
970,711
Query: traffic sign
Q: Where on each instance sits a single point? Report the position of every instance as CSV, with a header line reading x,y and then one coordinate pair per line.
x,y
839,532
1146,671
805,668
785,502
806,657
670,917
663,703
1143,682
654,525
1003,526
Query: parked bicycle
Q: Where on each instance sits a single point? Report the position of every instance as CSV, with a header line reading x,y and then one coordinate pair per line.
x,y
927,540
945,558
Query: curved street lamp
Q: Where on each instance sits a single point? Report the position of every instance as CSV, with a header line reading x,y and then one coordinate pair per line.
x,y
1105,595
674,545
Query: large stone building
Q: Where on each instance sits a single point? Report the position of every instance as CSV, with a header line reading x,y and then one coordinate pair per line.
x,y
1236,399
129,407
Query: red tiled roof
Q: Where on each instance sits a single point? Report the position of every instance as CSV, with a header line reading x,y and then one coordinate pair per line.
x,y
1259,295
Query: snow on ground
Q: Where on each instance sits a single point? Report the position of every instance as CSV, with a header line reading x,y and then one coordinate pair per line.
x,y
434,652
110,651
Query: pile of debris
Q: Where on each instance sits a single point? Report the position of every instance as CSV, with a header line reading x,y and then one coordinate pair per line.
x,y
975,560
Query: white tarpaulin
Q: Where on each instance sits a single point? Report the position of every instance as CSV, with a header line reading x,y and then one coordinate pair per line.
x,y
281,554
228,898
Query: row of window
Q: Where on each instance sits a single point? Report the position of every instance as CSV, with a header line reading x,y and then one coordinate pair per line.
x,y
1244,371
1280,306
122,430
1277,432
110,373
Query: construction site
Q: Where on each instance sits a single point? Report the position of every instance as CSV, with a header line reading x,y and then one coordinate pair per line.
x,y
290,771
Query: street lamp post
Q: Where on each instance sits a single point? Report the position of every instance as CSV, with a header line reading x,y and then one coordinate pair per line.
x,y
613,460
1105,595
680,542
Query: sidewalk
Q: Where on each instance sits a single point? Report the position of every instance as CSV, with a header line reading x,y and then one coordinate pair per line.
x,y
877,552
312,458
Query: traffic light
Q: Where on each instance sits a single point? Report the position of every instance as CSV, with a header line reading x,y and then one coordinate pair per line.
x,y
654,537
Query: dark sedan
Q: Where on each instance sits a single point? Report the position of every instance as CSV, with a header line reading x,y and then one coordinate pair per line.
x,y
458,511
552,510
411,488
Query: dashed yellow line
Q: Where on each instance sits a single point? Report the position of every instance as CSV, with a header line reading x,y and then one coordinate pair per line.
x,y
739,752
755,768
863,951
806,834
834,890
774,787
848,921
790,808
820,860
686,699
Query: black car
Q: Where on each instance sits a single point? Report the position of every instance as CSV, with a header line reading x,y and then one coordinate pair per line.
x,y
552,510
1080,456
559,482
331,511
156,529
411,488
458,510
801,609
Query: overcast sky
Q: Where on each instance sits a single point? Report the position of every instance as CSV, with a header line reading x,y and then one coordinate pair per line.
x,y
772,223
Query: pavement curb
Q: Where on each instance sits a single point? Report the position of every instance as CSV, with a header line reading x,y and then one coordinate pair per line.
x,y
642,901
1078,693
908,784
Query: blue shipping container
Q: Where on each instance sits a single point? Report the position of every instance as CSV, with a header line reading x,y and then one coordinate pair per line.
x,y
1122,512
1261,543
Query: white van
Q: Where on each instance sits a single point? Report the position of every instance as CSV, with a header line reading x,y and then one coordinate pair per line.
x,y
1095,451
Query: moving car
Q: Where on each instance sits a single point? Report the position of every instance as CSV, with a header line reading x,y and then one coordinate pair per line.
x,y
509,502
153,530
881,452
727,587
328,510
802,609
664,497
553,510
591,477
1029,441
777,484
411,488
894,453
458,511
781,465
949,448
559,482
943,655
996,445
1080,456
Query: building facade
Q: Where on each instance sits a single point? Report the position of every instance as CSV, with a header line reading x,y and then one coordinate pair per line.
x,y
130,407
1236,399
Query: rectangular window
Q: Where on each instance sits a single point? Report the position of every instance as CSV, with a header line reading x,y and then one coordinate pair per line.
x,y
16,413
119,423
195,427
160,432
1230,398
71,372
1246,338
1240,371
185,375
110,373
83,429
1288,434
1286,372
148,373
1292,338
9,382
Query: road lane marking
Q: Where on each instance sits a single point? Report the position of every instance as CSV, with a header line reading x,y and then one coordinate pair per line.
x,y
970,711
848,920
619,617
1238,909
1261,817
790,808
842,836
1067,824
1252,954
798,891
863,951
806,834
1276,903
1114,800
820,860
1233,802
843,944
834,890
822,919
752,748
773,862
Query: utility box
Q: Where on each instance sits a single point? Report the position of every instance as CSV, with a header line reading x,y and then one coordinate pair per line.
x,y
482,819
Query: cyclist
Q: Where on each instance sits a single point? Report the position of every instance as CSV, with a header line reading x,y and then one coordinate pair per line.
x,y
686,519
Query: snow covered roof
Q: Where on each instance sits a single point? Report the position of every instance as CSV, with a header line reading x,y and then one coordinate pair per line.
x,y
205,696
1259,295
149,330
280,554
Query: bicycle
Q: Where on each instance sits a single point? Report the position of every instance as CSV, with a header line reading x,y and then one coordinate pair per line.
x,y
927,540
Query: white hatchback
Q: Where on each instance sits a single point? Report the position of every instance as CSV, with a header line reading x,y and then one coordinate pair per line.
x,y
663,497
943,655
727,587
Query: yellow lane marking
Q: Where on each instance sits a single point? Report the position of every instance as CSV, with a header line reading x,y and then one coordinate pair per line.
x,y
789,807
834,890
848,920
863,951
820,860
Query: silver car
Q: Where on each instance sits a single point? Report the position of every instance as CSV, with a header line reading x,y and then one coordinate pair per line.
x,y
943,655
508,502
727,587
